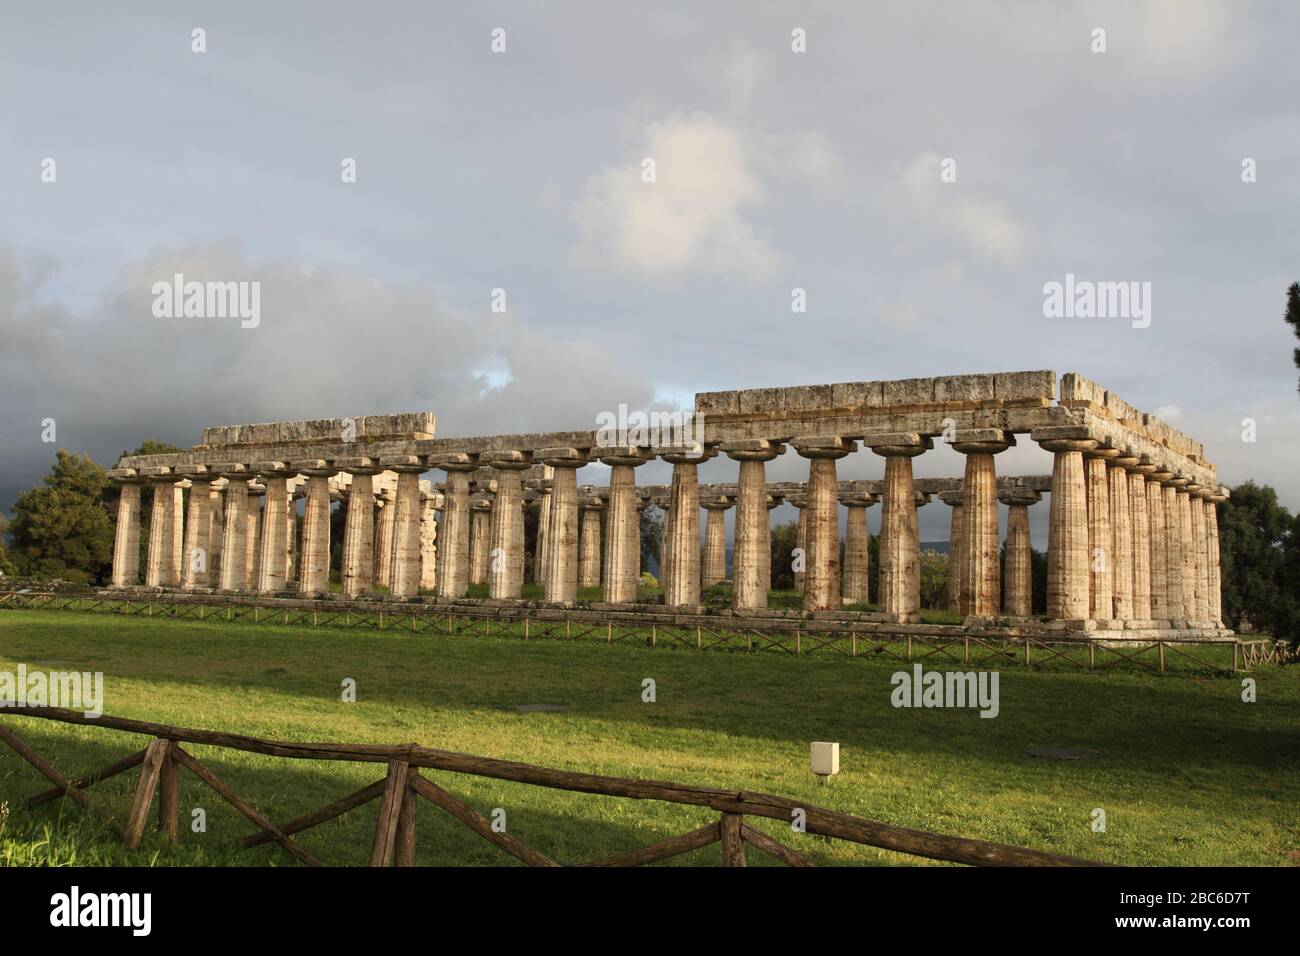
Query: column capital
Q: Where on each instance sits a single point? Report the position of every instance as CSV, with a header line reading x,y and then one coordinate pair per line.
x,y
126,476
898,444
1020,496
982,441
313,468
953,499
562,457
454,461
506,460
1104,453
404,463
752,449
858,500
1125,461
358,465
682,456
629,455
717,502
824,446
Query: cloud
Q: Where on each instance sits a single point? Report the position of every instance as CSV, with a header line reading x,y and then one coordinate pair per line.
x,y
987,225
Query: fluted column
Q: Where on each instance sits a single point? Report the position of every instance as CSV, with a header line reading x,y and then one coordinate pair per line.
x,y
480,538
126,537
1199,547
590,507
856,588
158,561
197,527
314,555
177,536
1140,526
954,500
1100,541
429,504
800,503
234,546
453,535
273,563
681,545
1174,551
383,571
405,580
253,534
506,528
1159,543
622,560
981,575
543,527
1018,586
713,562
751,573
1067,544
1187,553
357,572
1211,505
900,545
562,524
216,529
292,560
1121,537
821,581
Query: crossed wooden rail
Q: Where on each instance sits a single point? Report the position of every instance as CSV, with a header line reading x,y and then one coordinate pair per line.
x,y
399,789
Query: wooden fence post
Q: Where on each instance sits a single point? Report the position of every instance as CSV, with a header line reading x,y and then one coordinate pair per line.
x,y
733,845
154,755
381,853
405,853
167,798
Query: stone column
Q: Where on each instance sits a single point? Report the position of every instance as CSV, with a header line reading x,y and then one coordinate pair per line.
x,y
1100,578
900,545
197,527
272,572
357,572
1121,538
1158,538
429,504
857,549
1216,498
954,500
126,538
800,503
314,555
1018,588
1174,550
1187,552
505,569
751,573
562,524
681,543
1067,541
405,536
589,546
1199,549
253,534
177,538
622,560
292,559
157,568
216,529
1140,525
480,538
543,526
765,571
453,536
713,562
234,546
981,574
821,591
383,571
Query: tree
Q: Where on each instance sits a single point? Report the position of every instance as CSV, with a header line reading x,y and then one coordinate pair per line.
x,y
1259,553
785,538
1292,317
934,579
62,529
652,535
5,566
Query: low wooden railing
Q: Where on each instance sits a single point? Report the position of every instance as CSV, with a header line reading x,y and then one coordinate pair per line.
x,y
401,786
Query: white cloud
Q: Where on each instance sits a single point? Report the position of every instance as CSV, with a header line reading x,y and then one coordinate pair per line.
x,y
987,225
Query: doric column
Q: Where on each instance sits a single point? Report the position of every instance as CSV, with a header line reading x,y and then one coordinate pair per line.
x,y
1018,588
1187,552
157,571
126,537
296,487
1067,540
562,524
680,571
216,529
622,563
1100,577
253,534
234,545
900,544
543,525
480,537
430,502
405,535
177,536
453,536
1140,526
1121,537
1199,549
1159,541
383,570
954,500
1216,498
314,554
1174,550
713,561
821,583
197,527
357,571
773,502
272,571
590,507
981,575
751,573
857,549
506,529
800,503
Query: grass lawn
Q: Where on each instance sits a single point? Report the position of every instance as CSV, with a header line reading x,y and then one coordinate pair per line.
x,y
1189,775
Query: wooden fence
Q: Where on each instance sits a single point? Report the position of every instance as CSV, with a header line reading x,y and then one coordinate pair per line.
x,y
944,643
403,785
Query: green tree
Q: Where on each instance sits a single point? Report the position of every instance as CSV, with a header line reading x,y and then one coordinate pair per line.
x,y
6,567
652,535
934,579
62,529
1258,555
1292,317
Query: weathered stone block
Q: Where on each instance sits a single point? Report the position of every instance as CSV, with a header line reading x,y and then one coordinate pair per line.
x,y
1030,388
909,391
858,394
963,388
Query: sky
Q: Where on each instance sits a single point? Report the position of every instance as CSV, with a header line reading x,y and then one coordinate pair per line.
x,y
522,169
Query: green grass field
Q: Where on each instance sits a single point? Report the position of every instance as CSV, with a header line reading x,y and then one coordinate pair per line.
x,y
1189,775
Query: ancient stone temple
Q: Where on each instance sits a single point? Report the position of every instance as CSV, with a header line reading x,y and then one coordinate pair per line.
x,y
1132,543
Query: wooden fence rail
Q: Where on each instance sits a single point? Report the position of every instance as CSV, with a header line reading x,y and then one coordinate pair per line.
x,y
402,785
